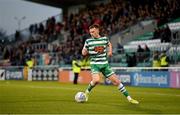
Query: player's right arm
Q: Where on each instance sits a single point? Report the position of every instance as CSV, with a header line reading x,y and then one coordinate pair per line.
x,y
84,50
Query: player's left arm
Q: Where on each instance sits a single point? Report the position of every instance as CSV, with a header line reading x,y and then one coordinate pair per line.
x,y
109,49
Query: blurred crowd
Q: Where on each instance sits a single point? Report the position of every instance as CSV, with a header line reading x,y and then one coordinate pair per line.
x,y
73,30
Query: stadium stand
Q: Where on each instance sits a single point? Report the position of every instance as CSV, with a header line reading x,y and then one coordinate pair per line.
x,y
63,40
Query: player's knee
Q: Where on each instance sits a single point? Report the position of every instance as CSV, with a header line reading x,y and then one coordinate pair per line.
x,y
96,81
116,82
96,78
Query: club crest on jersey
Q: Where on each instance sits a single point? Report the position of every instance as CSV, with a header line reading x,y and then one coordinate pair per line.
x,y
99,49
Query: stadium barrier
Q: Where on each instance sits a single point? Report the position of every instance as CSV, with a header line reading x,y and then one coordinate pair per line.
x,y
134,76
67,75
175,79
151,77
44,73
12,73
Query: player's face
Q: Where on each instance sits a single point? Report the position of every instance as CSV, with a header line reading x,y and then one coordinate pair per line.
x,y
94,32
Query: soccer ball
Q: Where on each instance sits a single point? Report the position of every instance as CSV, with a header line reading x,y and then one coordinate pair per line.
x,y
80,97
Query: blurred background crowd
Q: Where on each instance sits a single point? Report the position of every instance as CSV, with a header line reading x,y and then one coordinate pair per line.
x,y
56,43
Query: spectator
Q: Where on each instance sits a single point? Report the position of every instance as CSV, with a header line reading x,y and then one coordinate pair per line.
x,y
76,66
114,16
41,28
140,49
140,54
131,60
156,33
146,48
17,35
166,35
156,60
146,53
31,28
164,60
120,48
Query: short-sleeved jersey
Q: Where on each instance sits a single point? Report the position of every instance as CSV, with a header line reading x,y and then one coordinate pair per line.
x,y
97,49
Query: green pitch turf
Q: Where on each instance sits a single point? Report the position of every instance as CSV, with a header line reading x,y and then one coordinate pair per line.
x,y
18,97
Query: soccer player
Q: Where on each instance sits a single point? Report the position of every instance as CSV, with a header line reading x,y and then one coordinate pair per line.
x,y
99,48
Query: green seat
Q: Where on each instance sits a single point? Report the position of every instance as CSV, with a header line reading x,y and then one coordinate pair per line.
x,y
114,64
123,64
146,36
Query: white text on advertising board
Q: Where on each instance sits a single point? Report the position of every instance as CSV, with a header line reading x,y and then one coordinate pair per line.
x,y
150,79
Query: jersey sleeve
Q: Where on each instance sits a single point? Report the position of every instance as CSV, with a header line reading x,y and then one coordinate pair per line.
x,y
107,39
85,45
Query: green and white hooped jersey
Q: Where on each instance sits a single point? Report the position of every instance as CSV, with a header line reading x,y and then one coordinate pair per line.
x,y
97,49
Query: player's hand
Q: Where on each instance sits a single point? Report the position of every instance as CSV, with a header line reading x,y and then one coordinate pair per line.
x,y
84,52
110,54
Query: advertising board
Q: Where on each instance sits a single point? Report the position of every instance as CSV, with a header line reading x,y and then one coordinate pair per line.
x,y
150,79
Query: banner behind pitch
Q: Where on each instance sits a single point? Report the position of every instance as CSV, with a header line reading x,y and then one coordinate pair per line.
x,y
14,74
152,79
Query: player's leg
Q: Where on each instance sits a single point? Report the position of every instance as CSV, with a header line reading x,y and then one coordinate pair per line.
x,y
94,82
95,79
108,73
95,69
122,88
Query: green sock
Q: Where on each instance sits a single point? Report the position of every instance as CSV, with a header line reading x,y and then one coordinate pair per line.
x,y
91,86
123,90
125,93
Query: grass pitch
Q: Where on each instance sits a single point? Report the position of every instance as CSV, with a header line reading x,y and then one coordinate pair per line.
x,y
22,97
